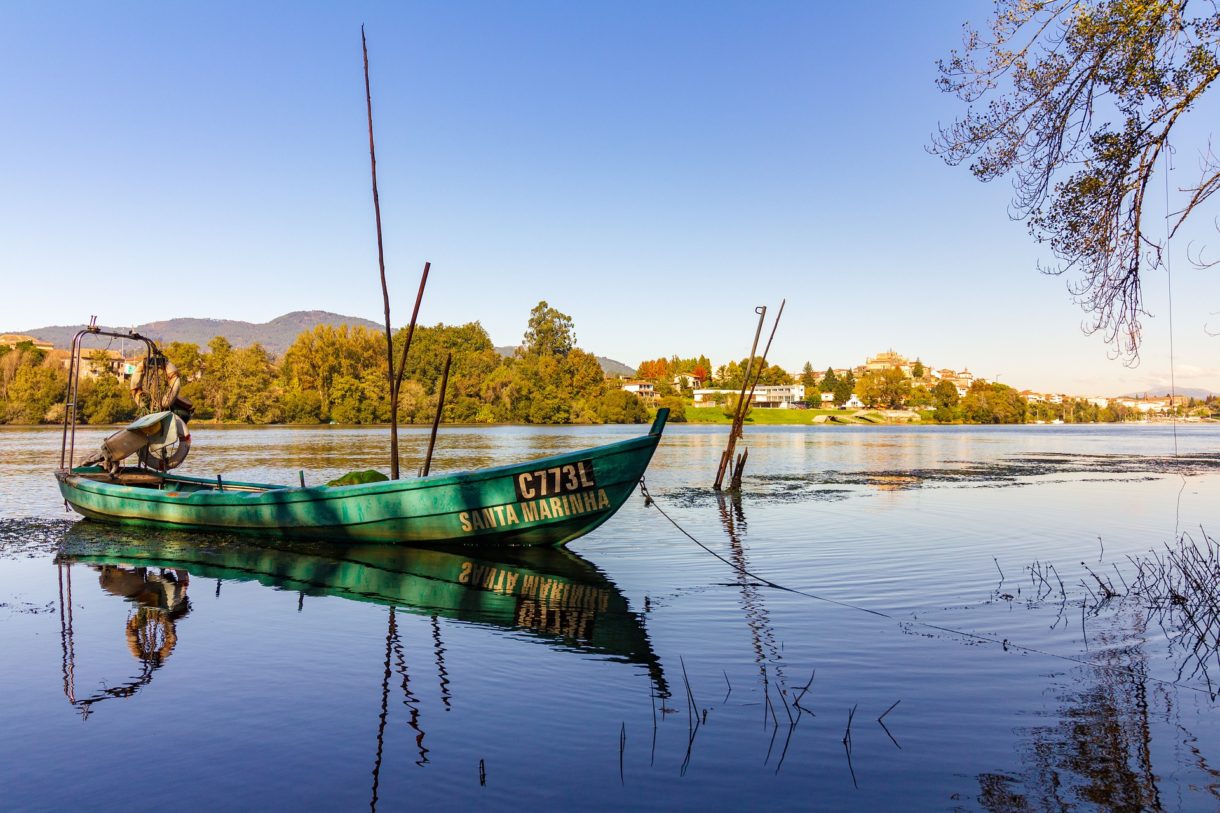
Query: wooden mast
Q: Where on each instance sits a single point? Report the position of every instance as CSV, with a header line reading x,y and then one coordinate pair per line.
x,y
394,374
385,290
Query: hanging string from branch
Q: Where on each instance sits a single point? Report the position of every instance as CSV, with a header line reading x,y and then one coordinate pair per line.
x,y
1173,386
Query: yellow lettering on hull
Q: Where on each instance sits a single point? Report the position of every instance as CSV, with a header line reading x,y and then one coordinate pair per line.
x,y
543,508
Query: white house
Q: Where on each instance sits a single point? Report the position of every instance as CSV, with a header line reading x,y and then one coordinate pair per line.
x,y
686,381
641,389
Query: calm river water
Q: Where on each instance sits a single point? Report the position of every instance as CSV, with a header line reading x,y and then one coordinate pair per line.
x,y
932,658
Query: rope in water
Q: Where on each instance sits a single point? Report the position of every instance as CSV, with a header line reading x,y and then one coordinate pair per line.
x,y
650,500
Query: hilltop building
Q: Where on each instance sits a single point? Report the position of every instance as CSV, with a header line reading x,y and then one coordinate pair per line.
x,y
14,339
888,359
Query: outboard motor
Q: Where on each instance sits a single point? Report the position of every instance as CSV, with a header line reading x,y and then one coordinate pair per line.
x,y
162,441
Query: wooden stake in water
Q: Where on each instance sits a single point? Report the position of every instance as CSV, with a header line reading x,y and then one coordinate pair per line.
x,y
753,376
727,457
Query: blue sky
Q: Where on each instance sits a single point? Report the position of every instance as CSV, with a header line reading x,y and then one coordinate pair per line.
x,y
655,170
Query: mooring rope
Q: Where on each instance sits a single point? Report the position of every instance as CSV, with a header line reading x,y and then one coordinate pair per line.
x,y
650,500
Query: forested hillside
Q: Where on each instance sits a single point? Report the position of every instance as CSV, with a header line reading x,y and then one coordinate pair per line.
x,y
338,374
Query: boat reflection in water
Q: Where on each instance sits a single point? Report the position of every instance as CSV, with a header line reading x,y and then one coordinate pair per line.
x,y
547,594
160,599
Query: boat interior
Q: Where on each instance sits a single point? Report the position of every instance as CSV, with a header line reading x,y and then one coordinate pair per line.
x,y
145,478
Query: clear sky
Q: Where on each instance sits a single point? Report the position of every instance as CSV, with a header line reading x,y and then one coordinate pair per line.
x,y
655,170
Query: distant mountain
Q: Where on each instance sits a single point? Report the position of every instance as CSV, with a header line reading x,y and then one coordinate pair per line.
x,y
609,366
275,335
615,368
1162,392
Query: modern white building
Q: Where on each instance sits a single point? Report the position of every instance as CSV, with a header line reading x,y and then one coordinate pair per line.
x,y
778,396
781,396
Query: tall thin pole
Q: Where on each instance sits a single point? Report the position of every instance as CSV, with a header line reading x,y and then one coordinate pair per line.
x,y
727,457
742,404
762,365
436,421
385,290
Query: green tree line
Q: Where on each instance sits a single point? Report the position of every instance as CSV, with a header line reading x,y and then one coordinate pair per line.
x,y
940,401
338,374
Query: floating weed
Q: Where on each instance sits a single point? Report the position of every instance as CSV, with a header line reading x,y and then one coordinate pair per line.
x,y
30,538
762,491
1175,587
26,608
1017,470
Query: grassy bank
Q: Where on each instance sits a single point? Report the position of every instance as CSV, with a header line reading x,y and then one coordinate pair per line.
x,y
761,416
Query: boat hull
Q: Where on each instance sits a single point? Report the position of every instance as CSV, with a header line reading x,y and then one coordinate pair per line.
x,y
548,501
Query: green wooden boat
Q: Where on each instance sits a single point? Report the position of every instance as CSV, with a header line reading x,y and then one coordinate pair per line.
x,y
548,501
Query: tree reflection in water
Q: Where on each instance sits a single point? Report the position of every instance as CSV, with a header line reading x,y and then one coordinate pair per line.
x,y
762,634
1100,753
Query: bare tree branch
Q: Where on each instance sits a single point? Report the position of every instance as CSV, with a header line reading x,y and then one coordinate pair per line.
x,y
1082,99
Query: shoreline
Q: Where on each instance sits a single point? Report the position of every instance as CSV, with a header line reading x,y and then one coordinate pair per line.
x,y
750,422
